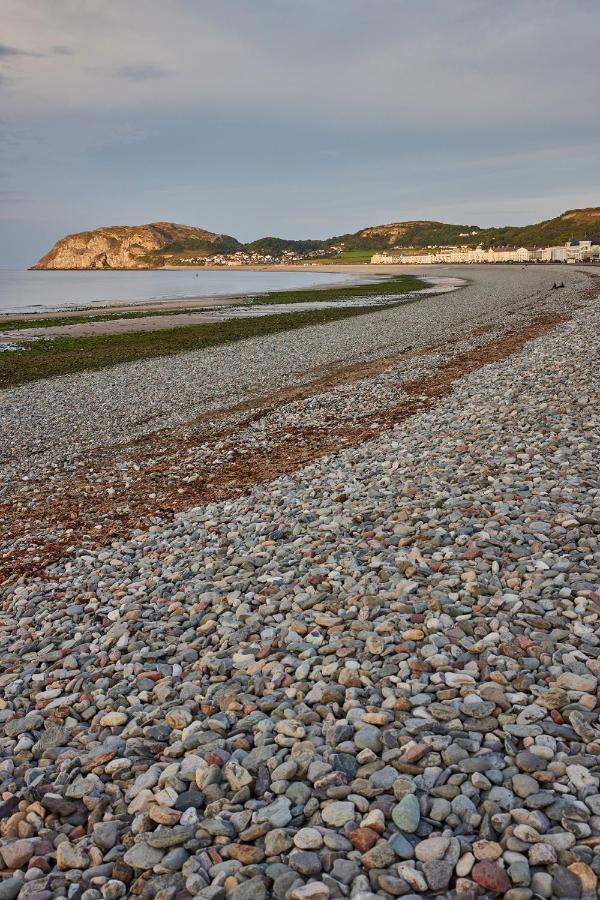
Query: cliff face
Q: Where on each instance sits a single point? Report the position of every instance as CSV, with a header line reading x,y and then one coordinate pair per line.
x,y
123,246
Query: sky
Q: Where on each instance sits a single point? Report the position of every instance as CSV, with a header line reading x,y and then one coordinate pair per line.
x,y
295,118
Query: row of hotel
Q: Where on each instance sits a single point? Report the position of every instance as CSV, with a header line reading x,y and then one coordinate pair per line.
x,y
571,252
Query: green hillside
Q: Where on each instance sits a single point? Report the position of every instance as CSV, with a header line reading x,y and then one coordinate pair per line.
x,y
575,223
275,245
187,247
357,246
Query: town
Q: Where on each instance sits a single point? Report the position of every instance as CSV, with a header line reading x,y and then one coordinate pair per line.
x,y
572,252
243,258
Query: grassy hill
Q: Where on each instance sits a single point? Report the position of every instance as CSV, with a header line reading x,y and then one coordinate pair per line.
x,y
275,245
404,234
575,223
358,246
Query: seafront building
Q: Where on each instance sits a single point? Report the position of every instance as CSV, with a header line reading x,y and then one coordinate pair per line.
x,y
571,252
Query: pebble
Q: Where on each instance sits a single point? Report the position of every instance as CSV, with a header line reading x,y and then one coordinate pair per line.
x,y
376,677
491,877
143,856
431,849
70,856
308,839
338,813
407,813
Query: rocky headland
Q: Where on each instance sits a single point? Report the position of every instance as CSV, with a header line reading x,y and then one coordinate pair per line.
x,y
124,246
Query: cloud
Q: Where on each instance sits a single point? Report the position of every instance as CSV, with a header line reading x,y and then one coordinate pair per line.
x,y
299,118
7,51
460,64
141,72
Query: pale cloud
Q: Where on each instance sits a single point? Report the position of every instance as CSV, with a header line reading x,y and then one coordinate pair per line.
x,y
458,62
141,72
305,117
6,52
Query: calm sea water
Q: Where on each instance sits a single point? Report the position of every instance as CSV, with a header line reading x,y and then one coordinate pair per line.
x,y
24,291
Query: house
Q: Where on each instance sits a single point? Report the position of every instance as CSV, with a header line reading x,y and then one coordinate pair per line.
x,y
587,250
449,255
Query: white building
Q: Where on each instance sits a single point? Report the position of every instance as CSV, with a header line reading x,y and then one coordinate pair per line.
x,y
572,251
455,255
581,251
554,254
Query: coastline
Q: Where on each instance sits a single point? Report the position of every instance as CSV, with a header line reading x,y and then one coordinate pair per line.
x,y
184,313
210,300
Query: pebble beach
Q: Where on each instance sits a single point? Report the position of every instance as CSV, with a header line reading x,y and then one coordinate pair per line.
x,y
370,671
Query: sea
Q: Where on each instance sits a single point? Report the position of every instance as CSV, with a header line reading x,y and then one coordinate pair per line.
x,y
24,291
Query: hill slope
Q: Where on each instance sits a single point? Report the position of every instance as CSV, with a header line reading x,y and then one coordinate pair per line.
x,y
132,246
420,233
575,223
160,243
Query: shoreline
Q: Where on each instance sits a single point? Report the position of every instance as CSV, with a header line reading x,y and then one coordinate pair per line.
x,y
360,273
268,306
184,303
363,273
